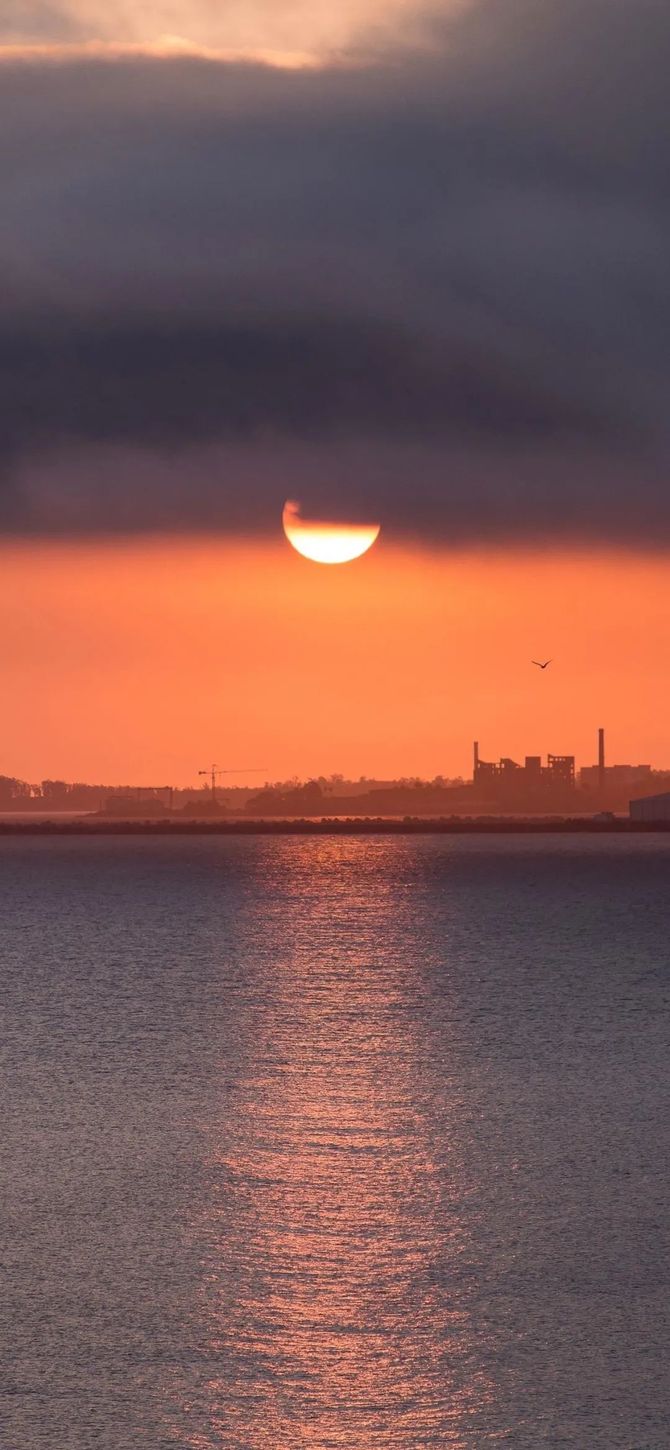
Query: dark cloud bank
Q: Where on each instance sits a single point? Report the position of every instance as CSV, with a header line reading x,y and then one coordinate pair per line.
x,y
435,286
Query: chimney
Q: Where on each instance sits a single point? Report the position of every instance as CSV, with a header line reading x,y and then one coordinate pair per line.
x,y
476,760
601,759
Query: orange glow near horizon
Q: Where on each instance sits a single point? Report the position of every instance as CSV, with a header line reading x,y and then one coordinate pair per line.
x,y
137,662
302,35
325,542
163,47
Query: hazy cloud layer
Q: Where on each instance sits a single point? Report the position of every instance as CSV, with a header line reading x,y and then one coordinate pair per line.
x,y
285,26
436,284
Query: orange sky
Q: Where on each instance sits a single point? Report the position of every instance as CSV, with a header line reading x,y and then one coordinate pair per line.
x,y
143,661
286,33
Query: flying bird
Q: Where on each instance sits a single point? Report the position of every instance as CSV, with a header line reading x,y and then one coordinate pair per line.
x,y
540,665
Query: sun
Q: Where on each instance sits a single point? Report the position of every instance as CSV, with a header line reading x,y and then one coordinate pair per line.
x,y
326,542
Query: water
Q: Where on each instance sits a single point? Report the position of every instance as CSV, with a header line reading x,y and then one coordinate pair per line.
x,y
335,1143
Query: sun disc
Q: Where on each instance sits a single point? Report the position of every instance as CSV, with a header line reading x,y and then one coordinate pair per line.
x,y
325,542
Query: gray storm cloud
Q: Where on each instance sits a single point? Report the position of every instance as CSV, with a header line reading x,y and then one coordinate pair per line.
x,y
436,283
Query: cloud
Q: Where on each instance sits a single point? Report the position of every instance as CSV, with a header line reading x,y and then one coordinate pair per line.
x,y
312,26
39,22
434,281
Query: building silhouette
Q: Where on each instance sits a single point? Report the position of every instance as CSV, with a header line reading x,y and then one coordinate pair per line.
x,y
555,786
505,782
608,781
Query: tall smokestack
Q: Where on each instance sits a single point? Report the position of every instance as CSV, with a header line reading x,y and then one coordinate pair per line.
x,y
475,760
601,759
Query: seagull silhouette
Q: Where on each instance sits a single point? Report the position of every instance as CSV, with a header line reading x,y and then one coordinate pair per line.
x,y
540,665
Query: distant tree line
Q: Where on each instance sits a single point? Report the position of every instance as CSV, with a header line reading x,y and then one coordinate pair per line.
x,y
16,794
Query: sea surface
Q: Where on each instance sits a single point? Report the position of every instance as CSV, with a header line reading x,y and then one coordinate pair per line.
x,y
334,1144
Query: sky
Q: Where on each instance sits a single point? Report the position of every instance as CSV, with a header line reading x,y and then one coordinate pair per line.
x,y
403,264
146,660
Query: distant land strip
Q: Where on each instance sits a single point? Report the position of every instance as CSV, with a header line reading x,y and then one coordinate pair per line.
x,y
333,826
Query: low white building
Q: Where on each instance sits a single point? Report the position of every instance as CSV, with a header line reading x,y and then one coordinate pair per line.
x,y
651,808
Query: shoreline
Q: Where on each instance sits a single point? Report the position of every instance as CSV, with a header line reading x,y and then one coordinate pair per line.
x,y
331,826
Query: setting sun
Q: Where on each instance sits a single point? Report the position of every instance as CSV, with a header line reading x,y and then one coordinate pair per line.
x,y
326,542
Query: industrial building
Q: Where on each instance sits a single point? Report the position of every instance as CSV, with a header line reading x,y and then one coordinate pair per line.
x,y
615,775
652,808
602,778
527,786
555,786
559,771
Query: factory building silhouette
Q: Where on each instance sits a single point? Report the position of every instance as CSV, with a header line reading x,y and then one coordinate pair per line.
x,y
506,778
555,786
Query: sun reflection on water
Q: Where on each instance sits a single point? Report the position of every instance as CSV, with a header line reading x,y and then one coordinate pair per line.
x,y
333,1239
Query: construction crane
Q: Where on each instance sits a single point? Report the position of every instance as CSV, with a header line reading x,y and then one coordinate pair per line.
x,y
215,771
